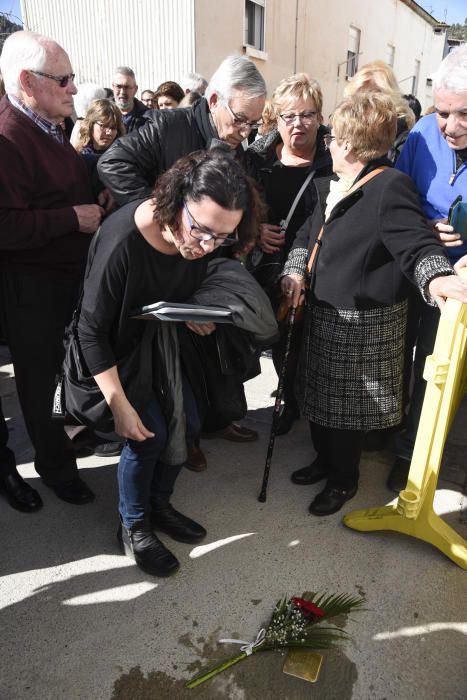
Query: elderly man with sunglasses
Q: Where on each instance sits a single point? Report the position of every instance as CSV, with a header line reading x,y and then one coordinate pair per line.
x,y
225,117
47,216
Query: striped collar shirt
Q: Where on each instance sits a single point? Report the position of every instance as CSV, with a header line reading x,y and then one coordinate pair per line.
x,y
53,130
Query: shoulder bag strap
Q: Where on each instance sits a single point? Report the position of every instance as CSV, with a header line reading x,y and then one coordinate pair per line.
x,y
302,189
356,186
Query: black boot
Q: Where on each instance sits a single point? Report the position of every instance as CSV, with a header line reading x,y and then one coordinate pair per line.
x,y
166,519
140,543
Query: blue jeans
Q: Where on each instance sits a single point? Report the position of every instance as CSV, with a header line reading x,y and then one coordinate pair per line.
x,y
405,440
142,477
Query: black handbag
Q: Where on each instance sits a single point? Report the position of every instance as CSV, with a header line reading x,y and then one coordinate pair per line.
x,y
77,395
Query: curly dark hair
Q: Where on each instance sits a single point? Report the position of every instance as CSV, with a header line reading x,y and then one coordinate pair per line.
x,y
214,174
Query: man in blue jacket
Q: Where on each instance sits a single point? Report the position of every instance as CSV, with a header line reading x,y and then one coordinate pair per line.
x,y
435,156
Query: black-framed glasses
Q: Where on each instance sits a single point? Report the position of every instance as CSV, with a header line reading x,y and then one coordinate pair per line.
x,y
328,139
305,117
242,122
62,80
200,233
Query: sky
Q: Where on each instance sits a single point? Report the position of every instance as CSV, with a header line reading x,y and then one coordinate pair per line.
x,y
456,10
12,6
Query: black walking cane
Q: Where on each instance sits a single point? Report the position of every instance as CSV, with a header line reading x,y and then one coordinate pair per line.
x,y
277,405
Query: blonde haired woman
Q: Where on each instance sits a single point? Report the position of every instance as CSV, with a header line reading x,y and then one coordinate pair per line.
x,y
378,76
374,242
286,160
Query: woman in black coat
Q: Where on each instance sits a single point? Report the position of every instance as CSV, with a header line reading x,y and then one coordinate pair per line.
x,y
375,241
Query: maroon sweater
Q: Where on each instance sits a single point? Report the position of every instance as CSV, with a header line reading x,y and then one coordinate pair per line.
x,y
40,181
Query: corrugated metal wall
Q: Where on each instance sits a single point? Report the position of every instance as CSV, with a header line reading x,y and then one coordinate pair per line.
x,y
154,37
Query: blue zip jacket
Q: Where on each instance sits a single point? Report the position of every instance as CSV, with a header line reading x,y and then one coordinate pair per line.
x,y
431,163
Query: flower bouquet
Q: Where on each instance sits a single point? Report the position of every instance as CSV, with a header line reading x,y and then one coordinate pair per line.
x,y
295,623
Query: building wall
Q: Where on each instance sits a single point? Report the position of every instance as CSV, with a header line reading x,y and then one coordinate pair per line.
x,y
154,37
162,39
323,54
317,41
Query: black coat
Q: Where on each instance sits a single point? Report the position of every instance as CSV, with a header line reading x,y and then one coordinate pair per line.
x,y
131,166
372,243
137,116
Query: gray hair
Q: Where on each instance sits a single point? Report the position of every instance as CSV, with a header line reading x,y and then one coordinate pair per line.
x,y
87,92
236,73
452,72
23,50
194,82
125,70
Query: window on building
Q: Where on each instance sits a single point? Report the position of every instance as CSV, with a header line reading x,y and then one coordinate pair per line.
x,y
353,49
390,51
254,23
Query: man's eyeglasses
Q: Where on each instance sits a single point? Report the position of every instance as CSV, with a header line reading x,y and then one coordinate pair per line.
x,y
121,88
205,235
241,122
62,80
305,117
328,139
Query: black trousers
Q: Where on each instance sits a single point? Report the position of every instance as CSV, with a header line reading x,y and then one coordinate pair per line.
x,y
339,451
34,311
7,457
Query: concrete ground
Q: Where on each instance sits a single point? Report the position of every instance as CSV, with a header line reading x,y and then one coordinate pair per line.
x,y
78,620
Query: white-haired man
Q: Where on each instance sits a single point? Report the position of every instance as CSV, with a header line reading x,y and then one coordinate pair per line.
x,y
47,213
435,156
193,82
230,110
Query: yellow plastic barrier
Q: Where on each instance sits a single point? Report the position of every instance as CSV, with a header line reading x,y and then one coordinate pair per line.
x,y
446,376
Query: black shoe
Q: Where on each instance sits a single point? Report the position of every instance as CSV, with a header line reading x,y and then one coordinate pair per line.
x,y
331,500
141,544
286,419
397,479
309,475
166,519
108,449
19,494
74,491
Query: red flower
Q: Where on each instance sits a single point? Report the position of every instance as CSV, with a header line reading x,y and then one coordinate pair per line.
x,y
307,607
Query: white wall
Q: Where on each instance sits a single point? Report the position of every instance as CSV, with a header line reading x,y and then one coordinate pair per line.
x,y
323,36
153,37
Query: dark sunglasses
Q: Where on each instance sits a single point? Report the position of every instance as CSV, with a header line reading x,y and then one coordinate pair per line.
x,y
62,80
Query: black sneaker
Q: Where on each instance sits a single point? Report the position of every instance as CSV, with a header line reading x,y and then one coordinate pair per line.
x,y
141,544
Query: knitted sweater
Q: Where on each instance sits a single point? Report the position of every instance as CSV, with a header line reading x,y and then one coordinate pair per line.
x,y
40,181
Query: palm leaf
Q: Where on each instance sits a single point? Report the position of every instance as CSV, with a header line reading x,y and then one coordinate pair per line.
x,y
335,604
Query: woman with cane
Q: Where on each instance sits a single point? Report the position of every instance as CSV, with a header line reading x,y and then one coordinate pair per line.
x,y
371,243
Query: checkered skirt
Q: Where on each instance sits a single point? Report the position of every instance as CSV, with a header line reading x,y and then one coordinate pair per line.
x,y
351,366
